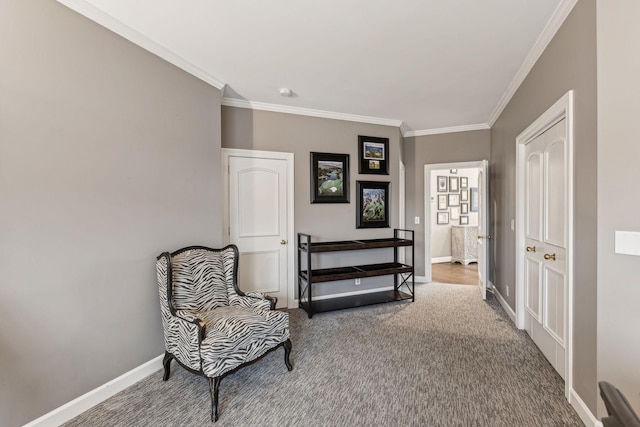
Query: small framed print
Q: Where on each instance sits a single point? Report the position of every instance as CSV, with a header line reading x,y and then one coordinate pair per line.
x,y
453,170
464,195
442,218
455,213
464,182
442,184
464,208
454,184
454,199
442,202
373,153
464,220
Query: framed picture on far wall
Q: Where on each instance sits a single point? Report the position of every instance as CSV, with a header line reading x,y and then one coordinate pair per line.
x,y
442,184
442,202
373,155
442,218
464,208
454,199
473,203
329,178
372,210
464,220
454,184
464,182
464,195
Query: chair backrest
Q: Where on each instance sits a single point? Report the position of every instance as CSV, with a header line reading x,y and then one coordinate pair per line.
x,y
197,278
620,412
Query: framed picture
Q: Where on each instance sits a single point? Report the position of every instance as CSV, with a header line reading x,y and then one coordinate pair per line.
x,y
464,208
473,203
454,199
464,220
453,170
442,184
455,212
454,186
373,153
442,218
464,182
329,178
372,210
442,202
464,195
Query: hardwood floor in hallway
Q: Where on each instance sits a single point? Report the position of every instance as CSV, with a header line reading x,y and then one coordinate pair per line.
x,y
446,272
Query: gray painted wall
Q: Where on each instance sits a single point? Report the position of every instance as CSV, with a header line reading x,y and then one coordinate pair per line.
x,y
108,156
300,135
618,175
432,149
569,62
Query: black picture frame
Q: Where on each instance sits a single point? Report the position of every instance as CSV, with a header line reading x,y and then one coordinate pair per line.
x,y
464,208
464,182
453,199
328,169
464,220
442,202
373,155
372,210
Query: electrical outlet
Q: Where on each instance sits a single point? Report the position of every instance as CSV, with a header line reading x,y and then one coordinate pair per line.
x,y
417,220
357,282
507,291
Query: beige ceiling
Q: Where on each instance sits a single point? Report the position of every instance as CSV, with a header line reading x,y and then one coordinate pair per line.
x,y
426,65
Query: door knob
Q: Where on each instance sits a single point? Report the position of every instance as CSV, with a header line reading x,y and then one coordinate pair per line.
x,y
550,256
283,242
531,248
488,236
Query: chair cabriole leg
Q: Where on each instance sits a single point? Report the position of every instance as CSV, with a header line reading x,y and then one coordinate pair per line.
x,y
166,362
214,385
287,352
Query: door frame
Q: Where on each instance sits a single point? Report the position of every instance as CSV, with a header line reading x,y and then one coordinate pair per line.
x,y
562,109
227,154
478,164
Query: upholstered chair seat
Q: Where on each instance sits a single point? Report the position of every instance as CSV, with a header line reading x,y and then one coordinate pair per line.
x,y
210,326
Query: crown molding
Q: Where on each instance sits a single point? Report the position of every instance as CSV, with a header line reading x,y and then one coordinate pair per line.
x,y
112,24
453,129
404,129
550,30
263,106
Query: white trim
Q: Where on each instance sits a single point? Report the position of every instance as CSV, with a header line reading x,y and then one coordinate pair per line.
x,y
421,279
99,394
504,304
550,30
452,129
583,410
440,260
109,22
263,106
427,204
563,108
404,129
289,157
347,294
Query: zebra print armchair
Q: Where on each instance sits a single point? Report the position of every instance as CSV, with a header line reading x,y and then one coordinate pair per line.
x,y
211,327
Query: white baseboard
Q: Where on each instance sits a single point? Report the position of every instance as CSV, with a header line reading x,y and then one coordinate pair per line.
x,y
440,260
504,304
583,411
88,400
421,279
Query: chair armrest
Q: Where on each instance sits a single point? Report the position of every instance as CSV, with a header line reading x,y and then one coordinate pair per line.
x,y
184,337
255,300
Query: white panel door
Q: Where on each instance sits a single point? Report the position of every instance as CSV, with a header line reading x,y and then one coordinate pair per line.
x,y
545,264
483,229
258,197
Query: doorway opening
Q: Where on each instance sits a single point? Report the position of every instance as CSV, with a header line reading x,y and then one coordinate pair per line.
x,y
454,226
456,223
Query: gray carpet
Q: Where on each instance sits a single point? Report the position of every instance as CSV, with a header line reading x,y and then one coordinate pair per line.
x,y
449,359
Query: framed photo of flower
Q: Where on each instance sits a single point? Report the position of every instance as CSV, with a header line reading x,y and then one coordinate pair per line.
x,y
329,178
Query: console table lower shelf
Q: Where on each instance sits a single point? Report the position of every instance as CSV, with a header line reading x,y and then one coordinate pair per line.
x,y
352,301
